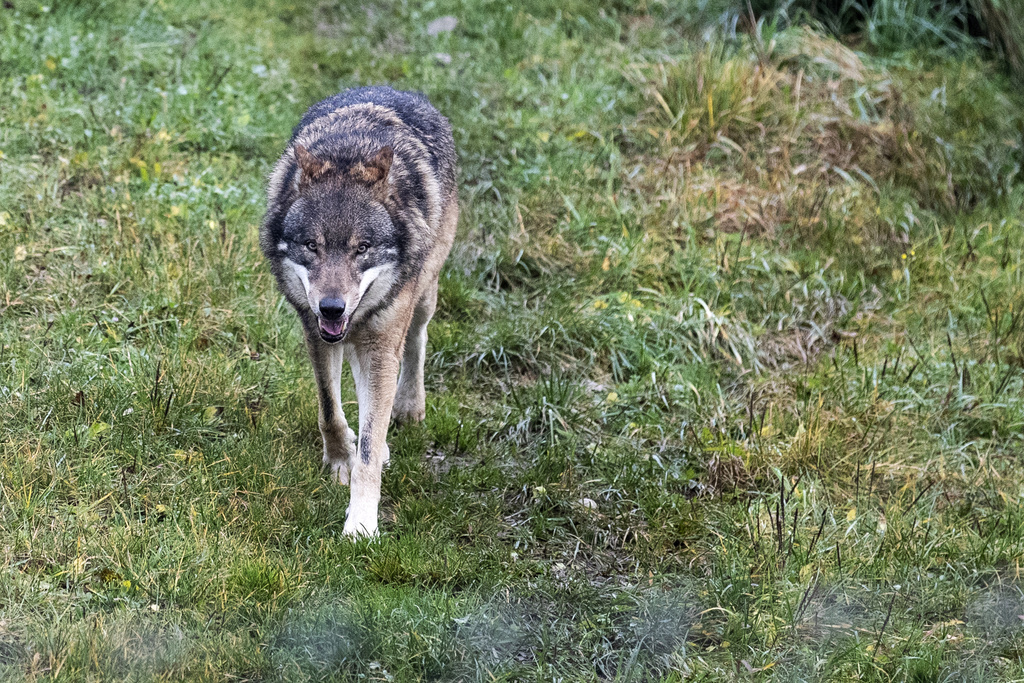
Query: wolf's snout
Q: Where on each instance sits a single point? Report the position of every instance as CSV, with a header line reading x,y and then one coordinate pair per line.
x,y
332,309
333,320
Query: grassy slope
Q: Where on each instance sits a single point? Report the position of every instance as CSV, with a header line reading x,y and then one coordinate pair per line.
x,y
725,382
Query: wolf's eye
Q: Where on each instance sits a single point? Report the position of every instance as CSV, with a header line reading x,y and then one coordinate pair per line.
x,y
311,245
361,249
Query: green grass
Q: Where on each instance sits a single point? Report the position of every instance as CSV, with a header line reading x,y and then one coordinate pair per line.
x,y
726,381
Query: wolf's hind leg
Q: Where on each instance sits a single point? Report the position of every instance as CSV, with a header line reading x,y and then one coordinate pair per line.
x,y
339,439
411,397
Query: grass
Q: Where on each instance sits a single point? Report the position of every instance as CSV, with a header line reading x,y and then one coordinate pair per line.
x,y
725,382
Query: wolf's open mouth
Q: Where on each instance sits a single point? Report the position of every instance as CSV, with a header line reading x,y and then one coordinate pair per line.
x,y
333,330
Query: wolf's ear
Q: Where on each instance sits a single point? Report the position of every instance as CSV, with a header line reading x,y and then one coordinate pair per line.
x,y
312,168
375,169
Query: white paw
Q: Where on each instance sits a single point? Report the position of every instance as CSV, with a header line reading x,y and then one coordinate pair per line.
x,y
360,528
361,516
338,470
338,463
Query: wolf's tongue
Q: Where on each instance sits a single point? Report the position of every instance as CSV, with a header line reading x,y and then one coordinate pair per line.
x,y
333,328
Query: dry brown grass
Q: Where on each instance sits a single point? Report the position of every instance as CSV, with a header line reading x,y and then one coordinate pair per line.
x,y
759,137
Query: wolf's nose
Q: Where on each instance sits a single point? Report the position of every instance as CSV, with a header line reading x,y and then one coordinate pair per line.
x,y
332,309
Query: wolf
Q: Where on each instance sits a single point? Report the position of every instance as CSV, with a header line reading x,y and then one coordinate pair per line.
x,y
362,209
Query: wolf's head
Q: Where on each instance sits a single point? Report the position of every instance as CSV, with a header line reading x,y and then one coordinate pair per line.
x,y
339,246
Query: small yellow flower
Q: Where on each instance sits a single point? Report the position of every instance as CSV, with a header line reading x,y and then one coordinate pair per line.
x,y
904,257
612,397
599,304
126,583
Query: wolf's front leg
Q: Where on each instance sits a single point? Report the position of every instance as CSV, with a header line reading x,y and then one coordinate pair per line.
x,y
375,371
339,440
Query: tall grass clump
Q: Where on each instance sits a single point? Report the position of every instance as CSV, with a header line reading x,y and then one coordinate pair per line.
x,y
719,91
896,25
1004,22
